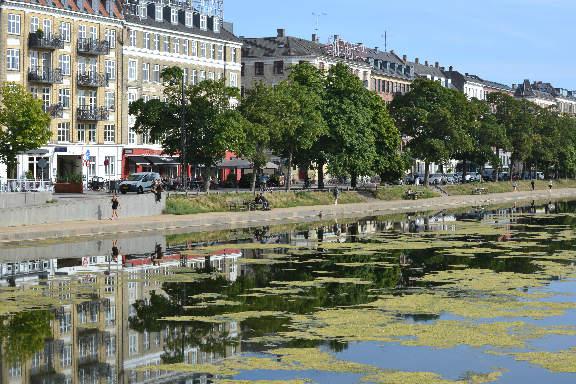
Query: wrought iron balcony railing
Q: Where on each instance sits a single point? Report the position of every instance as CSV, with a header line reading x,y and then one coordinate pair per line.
x,y
40,41
88,113
92,79
93,47
55,110
47,76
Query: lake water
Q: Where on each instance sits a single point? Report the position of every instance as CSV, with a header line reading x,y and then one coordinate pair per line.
x,y
475,297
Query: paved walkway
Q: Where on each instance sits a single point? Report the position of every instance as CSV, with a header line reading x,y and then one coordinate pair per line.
x,y
225,220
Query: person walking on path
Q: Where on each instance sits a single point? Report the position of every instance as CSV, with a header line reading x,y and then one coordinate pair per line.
x,y
336,193
550,185
158,190
115,206
533,184
515,185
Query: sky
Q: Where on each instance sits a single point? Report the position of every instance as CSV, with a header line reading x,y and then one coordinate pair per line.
x,y
499,40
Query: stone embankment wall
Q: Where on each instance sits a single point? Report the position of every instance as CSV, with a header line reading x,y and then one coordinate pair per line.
x,y
23,199
80,210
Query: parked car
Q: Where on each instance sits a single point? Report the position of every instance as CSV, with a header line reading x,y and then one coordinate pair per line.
x,y
139,182
450,178
503,176
471,177
436,179
488,174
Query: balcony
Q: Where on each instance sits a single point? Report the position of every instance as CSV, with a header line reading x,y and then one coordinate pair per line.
x,y
92,79
46,76
88,113
56,110
93,47
39,41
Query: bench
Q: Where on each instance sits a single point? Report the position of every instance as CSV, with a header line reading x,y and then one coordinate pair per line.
x,y
479,191
415,195
253,206
238,205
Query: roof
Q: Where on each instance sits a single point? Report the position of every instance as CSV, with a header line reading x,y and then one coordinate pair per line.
x,y
495,85
75,5
423,70
281,46
388,57
529,91
224,34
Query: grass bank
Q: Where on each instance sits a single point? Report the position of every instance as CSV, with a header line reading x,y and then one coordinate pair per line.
x,y
506,186
187,205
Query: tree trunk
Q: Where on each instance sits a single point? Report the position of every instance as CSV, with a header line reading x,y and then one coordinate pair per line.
x,y
321,175
463,171
289,173
206,179
426,173
495,177
254,175
353,180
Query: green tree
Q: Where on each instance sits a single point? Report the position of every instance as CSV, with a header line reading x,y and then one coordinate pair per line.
x,y
426,116
211,126
297,121
23,124
256,108
24,334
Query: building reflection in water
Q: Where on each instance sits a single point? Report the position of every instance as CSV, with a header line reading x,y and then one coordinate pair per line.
x,y
91,340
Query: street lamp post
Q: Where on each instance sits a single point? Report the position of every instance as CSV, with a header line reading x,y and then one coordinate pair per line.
x,y
183,139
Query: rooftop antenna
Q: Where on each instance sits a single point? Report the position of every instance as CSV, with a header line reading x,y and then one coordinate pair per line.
x,y
317,25
385,36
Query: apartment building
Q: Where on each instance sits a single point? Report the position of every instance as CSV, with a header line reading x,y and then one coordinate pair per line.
x,y
160,34
66,54
546,95
390,74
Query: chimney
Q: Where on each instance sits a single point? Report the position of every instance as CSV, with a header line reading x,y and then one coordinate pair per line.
x,y
437,65
466,74
109,8
513,86
392,52
442,69
281,32
314,37
450,68
404,58
95,6
336,37
417,60
80,5
426,63
376,49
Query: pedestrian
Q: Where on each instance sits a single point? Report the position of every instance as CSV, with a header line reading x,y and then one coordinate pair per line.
x,y
550,185
158,190
515,185
533,184
336,193
115,250
115,206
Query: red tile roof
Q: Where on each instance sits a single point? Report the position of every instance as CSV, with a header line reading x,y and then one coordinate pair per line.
x,y
102,10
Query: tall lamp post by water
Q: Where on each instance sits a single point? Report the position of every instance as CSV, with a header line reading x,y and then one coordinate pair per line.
x,y
183,138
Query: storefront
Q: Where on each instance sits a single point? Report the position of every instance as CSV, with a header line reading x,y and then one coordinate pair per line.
x,y
147,160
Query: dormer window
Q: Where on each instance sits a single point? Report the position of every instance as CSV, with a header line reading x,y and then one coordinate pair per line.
x,y
174,16
158,10
189,19
142,11
216,25
203,22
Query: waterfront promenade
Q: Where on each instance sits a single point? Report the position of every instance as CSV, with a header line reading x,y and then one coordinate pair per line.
x,y
226,220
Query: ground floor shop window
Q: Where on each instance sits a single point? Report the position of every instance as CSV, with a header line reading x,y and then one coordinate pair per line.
x,y
92,166
109,165
38,167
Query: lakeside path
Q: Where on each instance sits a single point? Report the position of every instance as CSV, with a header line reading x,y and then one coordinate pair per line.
x,y
225,220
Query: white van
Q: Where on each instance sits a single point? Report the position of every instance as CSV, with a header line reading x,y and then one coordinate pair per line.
x,y
139,182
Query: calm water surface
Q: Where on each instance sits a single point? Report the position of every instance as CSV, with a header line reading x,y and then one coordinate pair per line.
x,y
477,297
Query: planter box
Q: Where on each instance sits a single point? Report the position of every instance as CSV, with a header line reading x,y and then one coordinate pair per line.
x,y
69,188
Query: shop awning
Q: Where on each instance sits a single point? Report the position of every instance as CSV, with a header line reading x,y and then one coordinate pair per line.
x,y
138,160
234,164
163,161
34,152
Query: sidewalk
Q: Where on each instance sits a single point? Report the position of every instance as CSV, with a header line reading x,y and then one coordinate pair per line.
x,y
226,220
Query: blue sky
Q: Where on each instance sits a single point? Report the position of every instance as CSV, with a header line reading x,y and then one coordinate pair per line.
x,y
499,40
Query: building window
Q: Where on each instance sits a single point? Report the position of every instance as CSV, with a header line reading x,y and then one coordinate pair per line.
x,y
132,38
131,136
64,62
220,52
65,322
233,55
203,50
110,69
81,133
185,75
146,40
110,101
278,67
47,27
212,51
82,31
66,356
174,16
111,345
188,19
13,59
216,24
132,70
92,138
185,47
242,69
233,79
13,24
46,96
259,68
203,22
110,37
142,10
211,76
158,12
194,48
109,133
166,44
64,97
34,24
194,77
15,369
145,71
132,344
65,31
64,132
176,46
202,76
156,73
110,160
156,42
